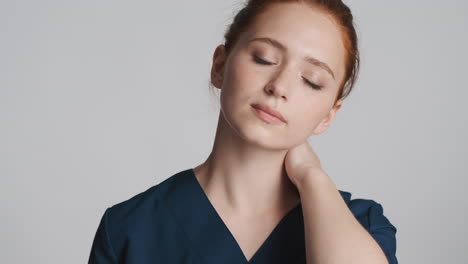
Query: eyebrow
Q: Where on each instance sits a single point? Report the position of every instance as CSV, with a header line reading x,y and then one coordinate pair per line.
x,y
310,60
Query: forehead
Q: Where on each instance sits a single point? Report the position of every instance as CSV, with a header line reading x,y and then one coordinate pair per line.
x,y
304,30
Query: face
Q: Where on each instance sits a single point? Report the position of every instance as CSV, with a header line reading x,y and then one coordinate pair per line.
x,y
292,60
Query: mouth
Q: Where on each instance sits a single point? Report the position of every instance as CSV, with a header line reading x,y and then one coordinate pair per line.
x,y
268,114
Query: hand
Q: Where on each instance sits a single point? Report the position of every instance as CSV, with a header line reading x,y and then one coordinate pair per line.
x,y
300,161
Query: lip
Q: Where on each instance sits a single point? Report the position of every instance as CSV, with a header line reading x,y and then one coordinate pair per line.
x,y
270,112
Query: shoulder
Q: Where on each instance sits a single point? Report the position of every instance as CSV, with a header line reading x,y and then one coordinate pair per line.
x,y
126,226
141,205
371,216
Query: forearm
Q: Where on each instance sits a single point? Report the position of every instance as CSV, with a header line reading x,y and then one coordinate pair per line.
x,y
332,233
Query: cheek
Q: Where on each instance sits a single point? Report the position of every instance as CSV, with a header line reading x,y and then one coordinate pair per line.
x,y
307,117
236,89
242,83
243,75
304,125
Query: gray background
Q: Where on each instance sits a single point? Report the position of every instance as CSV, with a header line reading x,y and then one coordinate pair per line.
x,y
100,100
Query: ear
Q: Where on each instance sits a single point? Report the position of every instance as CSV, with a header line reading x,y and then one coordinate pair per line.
x,y
217,69
325,123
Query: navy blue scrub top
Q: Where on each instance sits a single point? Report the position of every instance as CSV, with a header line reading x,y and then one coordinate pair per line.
x,y
174,222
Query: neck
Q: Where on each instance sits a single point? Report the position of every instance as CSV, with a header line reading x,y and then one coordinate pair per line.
x,y
246,178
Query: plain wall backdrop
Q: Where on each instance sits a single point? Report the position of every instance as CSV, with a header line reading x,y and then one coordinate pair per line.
x,y
100,100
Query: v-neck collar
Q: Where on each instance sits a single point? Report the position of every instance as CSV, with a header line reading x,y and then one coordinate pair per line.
x,y
212,239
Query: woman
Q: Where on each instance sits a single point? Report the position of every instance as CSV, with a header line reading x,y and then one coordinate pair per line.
x,y
261,196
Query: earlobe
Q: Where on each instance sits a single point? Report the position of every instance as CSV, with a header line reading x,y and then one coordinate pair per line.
x,y
325,123
217,69
321,128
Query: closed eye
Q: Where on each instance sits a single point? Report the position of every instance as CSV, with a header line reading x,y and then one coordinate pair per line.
x,y
264,62
313,85
261,61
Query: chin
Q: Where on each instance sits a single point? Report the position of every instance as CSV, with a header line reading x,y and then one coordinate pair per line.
x,y
254,131
262,136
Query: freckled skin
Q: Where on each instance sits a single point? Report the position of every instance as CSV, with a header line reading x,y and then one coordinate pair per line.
x,y
304,31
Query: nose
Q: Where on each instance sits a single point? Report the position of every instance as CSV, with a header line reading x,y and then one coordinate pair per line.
x,y
280,82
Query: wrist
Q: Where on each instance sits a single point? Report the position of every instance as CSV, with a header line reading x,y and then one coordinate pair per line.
x,y
313,177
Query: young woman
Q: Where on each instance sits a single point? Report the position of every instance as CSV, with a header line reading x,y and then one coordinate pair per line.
x,y
261,196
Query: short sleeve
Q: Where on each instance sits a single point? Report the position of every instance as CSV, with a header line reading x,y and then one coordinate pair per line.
x,y
383,231
101,249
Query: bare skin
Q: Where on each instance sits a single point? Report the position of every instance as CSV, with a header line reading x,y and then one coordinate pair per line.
x,y
258,171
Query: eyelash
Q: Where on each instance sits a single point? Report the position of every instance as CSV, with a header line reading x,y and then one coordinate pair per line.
x,y
261,61
264,62
313,85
